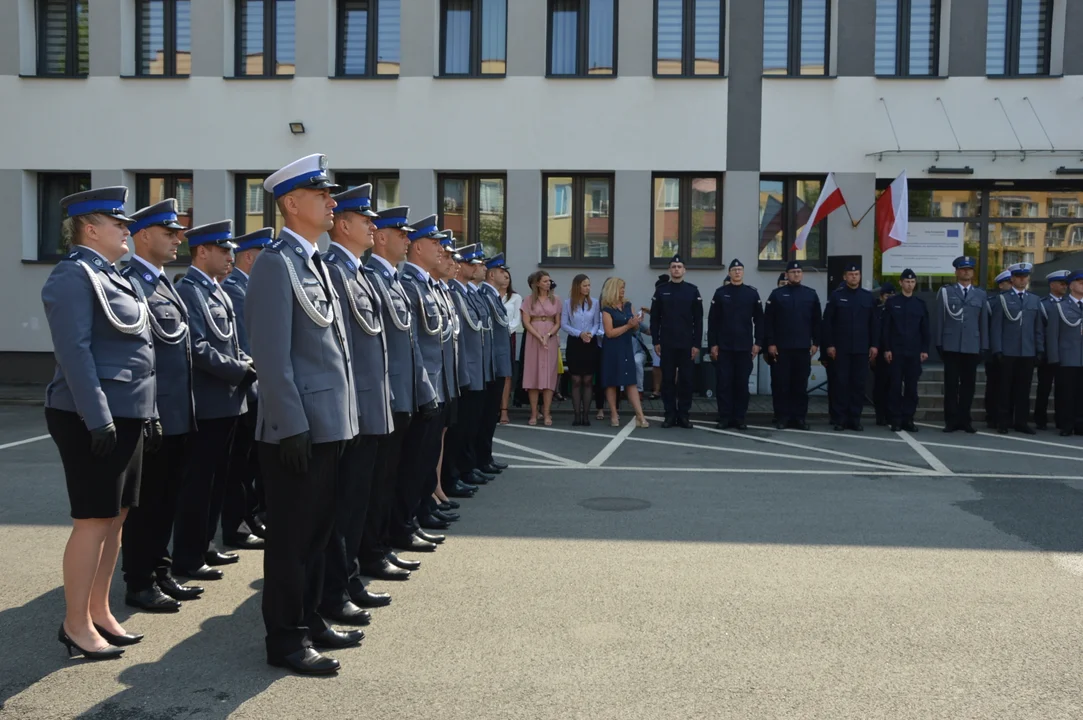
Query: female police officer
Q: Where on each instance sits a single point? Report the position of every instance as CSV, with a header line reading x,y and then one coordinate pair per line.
x,y
99,407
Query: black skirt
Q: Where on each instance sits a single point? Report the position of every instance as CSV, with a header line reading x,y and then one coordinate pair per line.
x,y
98,487
582,358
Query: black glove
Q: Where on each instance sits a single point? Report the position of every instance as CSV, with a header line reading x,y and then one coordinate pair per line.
x,y
295,451
429,410
152,436
248,379
103,440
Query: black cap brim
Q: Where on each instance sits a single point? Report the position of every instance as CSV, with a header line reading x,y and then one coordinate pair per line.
x,y
318,183
173,225
120,216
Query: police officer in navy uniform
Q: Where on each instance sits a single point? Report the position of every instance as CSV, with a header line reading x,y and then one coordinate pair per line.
x,y
1058,288
244,491
1017,342
147,563
881,373
995,399
772,363
851,335
99,408
961,334
735,335
1064,349
494,391
677,331
221,375
905,344
792,333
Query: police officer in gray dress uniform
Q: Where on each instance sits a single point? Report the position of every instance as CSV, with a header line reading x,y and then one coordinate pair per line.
x,y
1016,339
471,373
357,499
1064,349
996,399
450,485
501,346
961,334
307,415
147,562
221,375
99,408
1058,288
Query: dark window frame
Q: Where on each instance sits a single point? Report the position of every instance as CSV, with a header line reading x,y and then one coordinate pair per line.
x,y
71,49
1013,40
576,212
582,43
688,49
475,42
169,40
73,187
789,222
903,13
372,46
793,41
474,192
240,197
142,199
270,41
684,246
347,178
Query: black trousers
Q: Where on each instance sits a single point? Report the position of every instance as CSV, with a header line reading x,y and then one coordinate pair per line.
x,y
731,372
791,384
1068,399
881,388
1046,374
849,370
960,375
776,403
449,465
832,401
995,402
677,368
149,526
904,371
244,489
1016,376
200,503
374,537
353,490
471,415
300,519
490,416
417,473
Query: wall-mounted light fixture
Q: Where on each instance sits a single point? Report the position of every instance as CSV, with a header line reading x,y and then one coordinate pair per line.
x,y
297,128
1069,171
934,170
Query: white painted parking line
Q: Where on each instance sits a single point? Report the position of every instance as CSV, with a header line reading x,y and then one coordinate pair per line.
x,y
925,453
1014,436
613,444
17,443
773,472
847,435
541,428
553,463
1030,454
540,453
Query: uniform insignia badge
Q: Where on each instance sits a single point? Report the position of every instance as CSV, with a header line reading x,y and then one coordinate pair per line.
x,y
298,250
73,255
204,283
330,257
387,274
351,266
231,281
148,278
98,262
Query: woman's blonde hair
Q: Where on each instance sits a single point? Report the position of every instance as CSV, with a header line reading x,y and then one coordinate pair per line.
x,y
611,292
71,229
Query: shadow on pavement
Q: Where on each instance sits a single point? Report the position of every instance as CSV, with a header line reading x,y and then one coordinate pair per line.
x,y
1044,513
28,631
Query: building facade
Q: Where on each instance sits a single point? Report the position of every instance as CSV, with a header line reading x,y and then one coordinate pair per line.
x,y
596,136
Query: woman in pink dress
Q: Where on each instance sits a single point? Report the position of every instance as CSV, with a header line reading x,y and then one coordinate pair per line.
x,y
541,320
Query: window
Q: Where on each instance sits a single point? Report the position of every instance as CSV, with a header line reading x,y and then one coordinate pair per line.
x,y
63,38
473,207
385,186
795,37
578,212
688,37
163,37
256,208
907,33
368,38
785,206
52,188
1018,40
474,37
686,219
582,38
150,189
265,36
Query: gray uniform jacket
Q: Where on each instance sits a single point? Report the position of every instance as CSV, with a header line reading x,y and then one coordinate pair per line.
x,y
450,338
961,326
359,304
236,287
410,386
218,362
102,372
1016,324
1064,336
474,295
300,348
172,347
501,336
430,327
471,367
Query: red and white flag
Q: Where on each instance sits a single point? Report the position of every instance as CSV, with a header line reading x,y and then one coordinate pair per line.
x,y
829,201
892,214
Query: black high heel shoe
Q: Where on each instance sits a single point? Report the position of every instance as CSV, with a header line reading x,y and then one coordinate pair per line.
x,y
118,640
109,652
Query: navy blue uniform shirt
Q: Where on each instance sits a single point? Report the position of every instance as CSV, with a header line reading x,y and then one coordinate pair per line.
x,y
677,315
905,326
792,318
735,320
850,321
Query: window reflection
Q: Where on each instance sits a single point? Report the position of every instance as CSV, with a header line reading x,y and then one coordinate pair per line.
x,y
559,220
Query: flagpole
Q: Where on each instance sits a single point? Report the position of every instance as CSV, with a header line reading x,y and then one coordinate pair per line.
x,y
863,216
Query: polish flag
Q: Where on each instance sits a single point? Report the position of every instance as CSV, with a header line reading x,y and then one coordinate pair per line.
x,y
892,214
829,201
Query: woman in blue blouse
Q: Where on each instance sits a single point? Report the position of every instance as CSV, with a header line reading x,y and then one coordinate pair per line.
x,y
582,322
619,323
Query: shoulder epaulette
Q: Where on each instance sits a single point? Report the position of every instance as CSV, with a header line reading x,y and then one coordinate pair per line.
x,y
230,281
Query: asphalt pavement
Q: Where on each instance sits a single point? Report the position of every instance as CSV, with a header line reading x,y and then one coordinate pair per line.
x,y
630,573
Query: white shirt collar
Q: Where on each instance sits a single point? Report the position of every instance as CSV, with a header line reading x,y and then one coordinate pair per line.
x,y
349,255
420,271
386,263
95,252
443,284
213,281
964,287
461,284
242,272
309,248
146,263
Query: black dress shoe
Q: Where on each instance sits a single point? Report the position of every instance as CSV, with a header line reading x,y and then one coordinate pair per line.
x,y
384,570
802,425
857,427
413,544
1065,433
306,661
779,425
490,470
451,505
1040,426
118,640
1002,431
969,429
175,590
445,516
331,639
203,572
368,599
721,425
500,465
1026,430
740,425
429,537
894,428
430,523
909,426
109,652
949,428
220,558
839,427
457,492
403,563
479,478
152,600
256,527
685,423
245,542
668,422
347,614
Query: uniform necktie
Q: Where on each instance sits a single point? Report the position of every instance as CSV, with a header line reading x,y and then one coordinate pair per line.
x,y
1080,304
965,291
